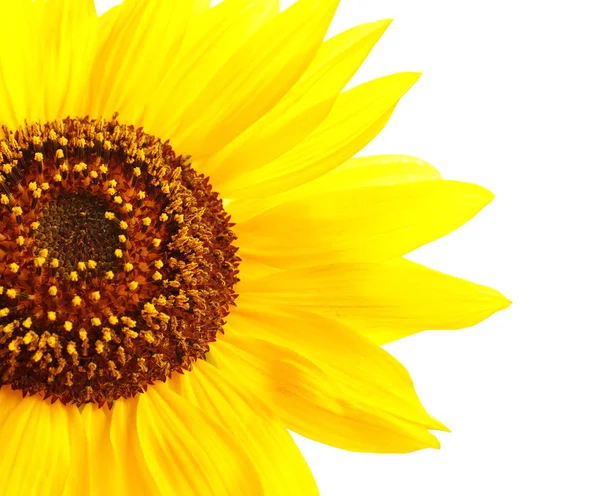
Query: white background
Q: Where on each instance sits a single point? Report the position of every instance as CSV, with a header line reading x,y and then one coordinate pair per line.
x,y
509,99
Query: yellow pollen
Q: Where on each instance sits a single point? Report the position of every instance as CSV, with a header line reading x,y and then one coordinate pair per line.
x,y
32,186
133,285
106,335
129,322
119,253
159,264
109,275
81,266
71,349
45,186
112,183
91,264
141,195
36,140
4,312
11,293
137,172
51,316
118,199
109,215
107,145
81,143
62,141
156,242
150,309
52,290
157,276
38,355
123,225
60,154
146,221
57,178
68,325
122,238
99,346
27,323
113,320
43,253
14,267
128,267
4,200
103,169
82,334
64,167
37,193
17,210
29,337
39,261
39,157
165,188
96,322
94,175
111,191
128,207
20,241
76,301
35,226
81,166
179,218
95,295
54,263
74,276
52,341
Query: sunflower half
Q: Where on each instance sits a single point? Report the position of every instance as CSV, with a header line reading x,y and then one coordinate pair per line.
x,y
191,261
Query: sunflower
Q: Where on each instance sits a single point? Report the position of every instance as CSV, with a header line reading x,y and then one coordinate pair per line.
x,y
192,262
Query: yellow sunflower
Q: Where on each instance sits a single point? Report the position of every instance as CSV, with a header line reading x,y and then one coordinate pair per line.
x,y
191,260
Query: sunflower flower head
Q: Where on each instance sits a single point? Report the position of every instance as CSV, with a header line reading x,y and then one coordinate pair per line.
x,y
193,260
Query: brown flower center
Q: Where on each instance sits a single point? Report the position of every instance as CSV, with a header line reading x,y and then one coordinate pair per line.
x,y
116,261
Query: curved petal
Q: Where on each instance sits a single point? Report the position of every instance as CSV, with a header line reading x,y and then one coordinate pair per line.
x,y
356,118
39,445
116,464
364,224
278,461
378,170
187,452
325,381
384,302
255,78
302,109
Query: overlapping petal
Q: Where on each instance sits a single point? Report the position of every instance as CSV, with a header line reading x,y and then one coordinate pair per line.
x,y
325,381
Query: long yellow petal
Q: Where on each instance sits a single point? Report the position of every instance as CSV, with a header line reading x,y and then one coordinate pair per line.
x,y
384,302
187,452
255,78
116,464
356,118
136,33
368,224
378,170
211,38
68,31
303,108
36,447
325,381
278,461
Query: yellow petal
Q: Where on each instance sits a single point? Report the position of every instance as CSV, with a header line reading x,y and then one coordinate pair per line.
x,y
325,381
116,464
378,170
68,31
365,224
187,452
278,461
356,118
21,95
384,302
211,40
255,78
37,447
300,111
135,33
